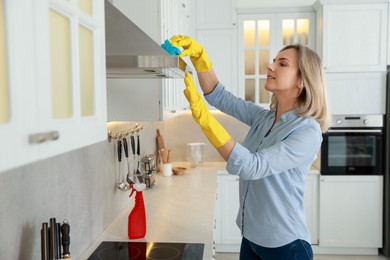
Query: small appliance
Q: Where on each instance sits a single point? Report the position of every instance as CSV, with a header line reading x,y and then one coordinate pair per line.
x,y
149,169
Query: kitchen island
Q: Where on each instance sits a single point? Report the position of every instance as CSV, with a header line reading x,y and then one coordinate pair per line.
x,y
179,209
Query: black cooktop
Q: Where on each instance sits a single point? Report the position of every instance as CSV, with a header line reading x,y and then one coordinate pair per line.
x,y
147,251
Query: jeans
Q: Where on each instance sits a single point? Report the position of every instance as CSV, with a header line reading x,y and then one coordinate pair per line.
x,y
296,250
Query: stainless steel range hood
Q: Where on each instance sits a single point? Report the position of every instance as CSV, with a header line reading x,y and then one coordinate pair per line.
x,y
131,53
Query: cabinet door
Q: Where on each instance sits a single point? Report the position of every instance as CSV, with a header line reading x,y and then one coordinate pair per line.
x,y
351,211
260,38
17,87
55,79
221,47
216,14
229,207
354,37
295,28
357,93
311,206
70,49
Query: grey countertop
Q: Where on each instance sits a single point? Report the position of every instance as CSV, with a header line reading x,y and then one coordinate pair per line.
x,y
178,209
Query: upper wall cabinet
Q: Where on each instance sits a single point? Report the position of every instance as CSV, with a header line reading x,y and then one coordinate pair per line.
x,y
216,14
260,37
352,37
53,96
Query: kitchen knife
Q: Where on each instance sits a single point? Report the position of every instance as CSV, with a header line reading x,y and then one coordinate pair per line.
x,y
126,148
65,241
139,159
133,151
58,240
52,239
45,241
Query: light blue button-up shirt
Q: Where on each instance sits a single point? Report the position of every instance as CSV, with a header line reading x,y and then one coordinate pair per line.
x,y
271,169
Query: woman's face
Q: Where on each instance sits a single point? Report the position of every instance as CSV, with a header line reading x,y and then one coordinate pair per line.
x,y
282,76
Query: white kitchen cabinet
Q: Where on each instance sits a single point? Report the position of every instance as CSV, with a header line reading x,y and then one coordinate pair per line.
x,y
260,37
357,93
55,85
311,206
352,37
228,235
351,211
144,99
216,14
221,47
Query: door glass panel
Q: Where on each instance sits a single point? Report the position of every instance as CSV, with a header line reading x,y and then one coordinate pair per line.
x,y
4,98
250,90
249,33
264,94
303,31
288,29
264,32
263,61
250,62
352,150
85,6
86,71
61,84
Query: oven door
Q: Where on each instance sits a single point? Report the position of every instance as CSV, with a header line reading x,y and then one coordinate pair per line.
x,y
352,152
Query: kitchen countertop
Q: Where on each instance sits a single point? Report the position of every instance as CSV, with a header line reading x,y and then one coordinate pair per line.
x,y
178,209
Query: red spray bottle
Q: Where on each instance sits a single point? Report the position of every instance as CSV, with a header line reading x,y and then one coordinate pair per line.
x,y
137,218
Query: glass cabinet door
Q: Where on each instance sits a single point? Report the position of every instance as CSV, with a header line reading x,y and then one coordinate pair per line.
x,y
257,44
72,57
296,28
261,37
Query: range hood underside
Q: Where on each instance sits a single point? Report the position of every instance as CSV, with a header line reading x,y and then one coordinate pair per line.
x,y
145,66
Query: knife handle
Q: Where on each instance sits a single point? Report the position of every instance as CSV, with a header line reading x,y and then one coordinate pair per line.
x,y
138,146
119,150
65,230
45,241
52,239
132,144
126,147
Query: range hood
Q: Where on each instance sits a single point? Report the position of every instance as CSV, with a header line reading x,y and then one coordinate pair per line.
x,y
131,53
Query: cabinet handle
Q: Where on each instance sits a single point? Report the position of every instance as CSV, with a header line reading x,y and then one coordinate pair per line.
x,y
43,137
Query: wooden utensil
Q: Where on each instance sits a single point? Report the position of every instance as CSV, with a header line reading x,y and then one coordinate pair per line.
x,y
160,141
169,156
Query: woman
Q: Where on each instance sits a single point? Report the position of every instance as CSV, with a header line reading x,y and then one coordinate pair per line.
x,y
276,154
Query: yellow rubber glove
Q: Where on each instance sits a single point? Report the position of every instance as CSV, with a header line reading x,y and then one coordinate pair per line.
x,y
214,131
193,49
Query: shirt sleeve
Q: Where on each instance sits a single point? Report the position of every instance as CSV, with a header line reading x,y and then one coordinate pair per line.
x,y
298,148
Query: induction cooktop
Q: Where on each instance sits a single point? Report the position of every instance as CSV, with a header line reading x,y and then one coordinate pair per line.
x,y
147,251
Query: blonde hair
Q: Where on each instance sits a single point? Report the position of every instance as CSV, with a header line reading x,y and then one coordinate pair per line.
x,y
312,99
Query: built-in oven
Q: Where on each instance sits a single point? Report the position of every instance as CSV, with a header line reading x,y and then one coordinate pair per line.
x,y
353,145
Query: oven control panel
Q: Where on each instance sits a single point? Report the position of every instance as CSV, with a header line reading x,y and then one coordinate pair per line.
x,y
356,121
